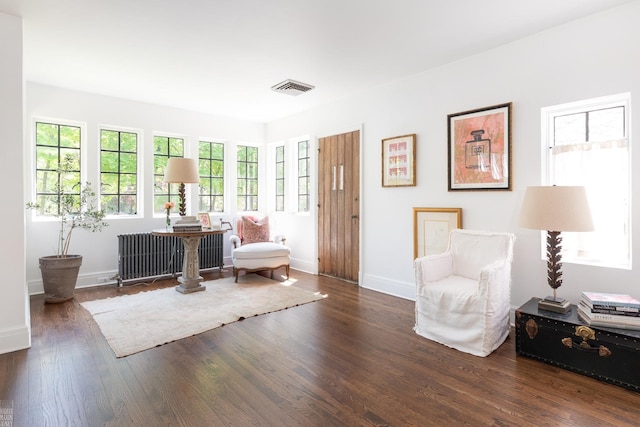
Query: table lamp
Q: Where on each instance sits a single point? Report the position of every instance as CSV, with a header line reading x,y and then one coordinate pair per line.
x,y
181,171
555,209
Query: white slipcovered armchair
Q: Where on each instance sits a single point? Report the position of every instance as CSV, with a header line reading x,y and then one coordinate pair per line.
x,y
253,250
463,295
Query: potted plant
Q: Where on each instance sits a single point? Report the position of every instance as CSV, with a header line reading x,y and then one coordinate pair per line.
x,y
75,206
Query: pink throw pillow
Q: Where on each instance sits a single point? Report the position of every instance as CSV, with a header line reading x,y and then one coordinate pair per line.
x,y
253,232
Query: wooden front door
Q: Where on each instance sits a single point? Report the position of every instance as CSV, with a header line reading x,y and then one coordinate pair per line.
x,y
338,206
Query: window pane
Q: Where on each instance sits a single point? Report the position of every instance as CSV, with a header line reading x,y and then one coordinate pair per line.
x,y
70,182
218,204
242,203
204,167
70,159
302,167
47,158
217,151
108,183
176,147
217,186
128,142
128,184
252,154
570,129
204,150
217,168
128,204
128,163
109,140
205,203
252,170
109,204
606,125
47,134
242,154
242,170
46,182
252,187
161,145
109,161
303,186
70,136
303,203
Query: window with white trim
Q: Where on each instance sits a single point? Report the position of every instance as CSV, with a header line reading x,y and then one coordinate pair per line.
x,y
304,178
247,178
211,170
57,148
118,172
280,163
588,144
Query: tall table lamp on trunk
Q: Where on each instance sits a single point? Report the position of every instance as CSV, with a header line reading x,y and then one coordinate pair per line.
x,y
181,170
555,209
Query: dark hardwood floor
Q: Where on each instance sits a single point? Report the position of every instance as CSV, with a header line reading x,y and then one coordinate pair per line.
x,y
349,360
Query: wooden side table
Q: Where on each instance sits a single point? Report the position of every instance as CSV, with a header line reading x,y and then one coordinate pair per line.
x,y
191,279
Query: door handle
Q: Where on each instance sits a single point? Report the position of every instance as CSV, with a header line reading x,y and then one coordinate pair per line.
x,y
354,216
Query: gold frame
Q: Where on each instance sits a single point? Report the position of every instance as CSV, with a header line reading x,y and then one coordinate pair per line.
x,y
205,219
435,239
399,161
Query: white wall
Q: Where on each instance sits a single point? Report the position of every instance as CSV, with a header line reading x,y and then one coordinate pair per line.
x,y
100,250
592,57
14,315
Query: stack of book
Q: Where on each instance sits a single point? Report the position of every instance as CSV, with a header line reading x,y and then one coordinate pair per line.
x,y
186,224
610,310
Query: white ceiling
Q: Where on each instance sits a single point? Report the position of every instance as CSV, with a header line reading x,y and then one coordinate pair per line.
x,y
223,56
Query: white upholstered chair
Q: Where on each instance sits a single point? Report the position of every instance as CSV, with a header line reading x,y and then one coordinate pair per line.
x,y
253,250
463,295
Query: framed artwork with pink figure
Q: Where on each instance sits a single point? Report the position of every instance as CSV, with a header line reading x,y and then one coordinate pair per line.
x,y
480,149
205,219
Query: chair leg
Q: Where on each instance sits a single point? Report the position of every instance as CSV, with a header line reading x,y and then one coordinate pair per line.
x,y
287,267
235,272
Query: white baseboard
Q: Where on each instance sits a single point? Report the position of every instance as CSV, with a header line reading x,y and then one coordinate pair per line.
x,y
304,266
406,290
15,339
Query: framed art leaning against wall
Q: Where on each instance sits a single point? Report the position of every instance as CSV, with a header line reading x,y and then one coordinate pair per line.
x,y
431,227
398,161
480,149
205,219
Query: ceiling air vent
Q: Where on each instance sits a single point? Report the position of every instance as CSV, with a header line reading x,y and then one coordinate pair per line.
x,y
292,87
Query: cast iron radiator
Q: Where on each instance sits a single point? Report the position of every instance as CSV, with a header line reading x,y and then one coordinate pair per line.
x,y
145,255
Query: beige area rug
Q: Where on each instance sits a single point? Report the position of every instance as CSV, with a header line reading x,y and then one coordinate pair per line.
x,y
133,323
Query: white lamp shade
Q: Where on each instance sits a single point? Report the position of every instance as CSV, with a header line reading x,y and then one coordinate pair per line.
x,y
556,208
181,170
